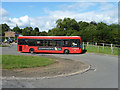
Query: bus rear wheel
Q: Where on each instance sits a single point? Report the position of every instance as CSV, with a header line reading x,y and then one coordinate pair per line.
x,y
66,51
31,50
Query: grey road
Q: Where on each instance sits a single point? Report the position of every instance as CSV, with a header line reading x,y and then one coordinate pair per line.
x,y
105,74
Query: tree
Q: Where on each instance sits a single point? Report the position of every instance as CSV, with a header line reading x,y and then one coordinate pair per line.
x,y
53,32
43,33
4,28
115,37
17,30
36,29
59,23
89,34
27,31
93,22
103,32
33,33
82,25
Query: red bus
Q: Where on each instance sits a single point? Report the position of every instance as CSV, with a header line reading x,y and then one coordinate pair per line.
x,y
49,44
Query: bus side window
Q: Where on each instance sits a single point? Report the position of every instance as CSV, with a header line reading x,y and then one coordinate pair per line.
x,y
21,41
57,43
75,43
31,42
50,43
26,42
78,42
39,42
66,43
46,43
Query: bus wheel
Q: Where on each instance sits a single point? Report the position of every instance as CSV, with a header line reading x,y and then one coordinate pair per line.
x,y
66,51
31,50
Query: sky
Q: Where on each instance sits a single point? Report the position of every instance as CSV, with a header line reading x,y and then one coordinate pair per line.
x,y
45,14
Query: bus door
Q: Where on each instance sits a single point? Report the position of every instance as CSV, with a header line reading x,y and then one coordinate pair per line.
x,y
20,44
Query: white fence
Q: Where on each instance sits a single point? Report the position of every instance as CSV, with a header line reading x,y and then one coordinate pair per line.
x,y
112,46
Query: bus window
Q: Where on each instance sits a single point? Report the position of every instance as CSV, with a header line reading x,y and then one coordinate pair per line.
x,y
26,42
39,42
50,43
31,42
46,43
75,43
57,43
20,42
66,43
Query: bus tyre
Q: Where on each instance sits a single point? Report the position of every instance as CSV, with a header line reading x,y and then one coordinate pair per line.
x,y
66,51
31,50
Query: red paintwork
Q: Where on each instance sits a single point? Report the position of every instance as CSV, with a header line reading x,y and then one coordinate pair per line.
x,y
25,48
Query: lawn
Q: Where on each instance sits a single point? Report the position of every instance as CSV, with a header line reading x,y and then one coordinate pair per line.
x,y
22,61
4,45
105,50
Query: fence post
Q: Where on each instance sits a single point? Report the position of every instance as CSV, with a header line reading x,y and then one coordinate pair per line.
x,y
83,46
111,48
98,49
96,43
87,43
103,45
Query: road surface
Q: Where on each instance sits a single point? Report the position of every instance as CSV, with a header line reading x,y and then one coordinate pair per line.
x,y
103,75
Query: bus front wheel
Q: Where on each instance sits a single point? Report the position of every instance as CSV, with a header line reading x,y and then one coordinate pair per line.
x,y
66,51
31,50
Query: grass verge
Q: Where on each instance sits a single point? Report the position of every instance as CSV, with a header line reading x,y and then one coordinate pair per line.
x,y
4,45
105,50
21,61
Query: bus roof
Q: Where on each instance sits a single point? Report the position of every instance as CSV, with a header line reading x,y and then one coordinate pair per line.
x,y
50,37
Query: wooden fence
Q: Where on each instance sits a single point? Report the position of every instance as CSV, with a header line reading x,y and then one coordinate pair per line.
x,y
98,45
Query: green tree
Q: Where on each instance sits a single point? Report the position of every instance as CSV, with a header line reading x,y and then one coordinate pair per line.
x,y
43,33
53,32
36,29
103,32
115,37
17,30
33,33
28,31
4,28
82,25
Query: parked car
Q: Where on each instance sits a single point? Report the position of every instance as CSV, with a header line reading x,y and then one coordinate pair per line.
x,y
11,40
6,41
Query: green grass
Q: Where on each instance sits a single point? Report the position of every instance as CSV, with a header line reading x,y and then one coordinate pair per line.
x,y
105,50
17,61
4,45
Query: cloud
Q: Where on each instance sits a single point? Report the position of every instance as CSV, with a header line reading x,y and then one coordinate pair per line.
x,y
107,6
81,5
107,16
21,22
3,12
44,23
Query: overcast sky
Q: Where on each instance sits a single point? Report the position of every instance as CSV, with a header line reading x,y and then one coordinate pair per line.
x,y
45,14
